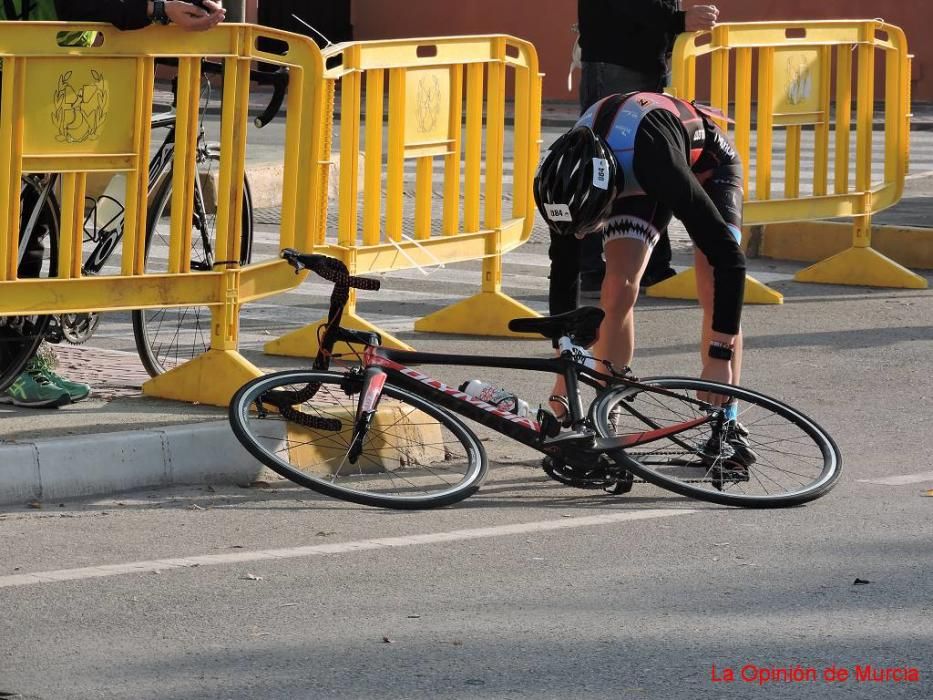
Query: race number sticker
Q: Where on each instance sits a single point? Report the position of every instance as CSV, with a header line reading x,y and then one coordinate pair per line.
x,y
601,173
558,212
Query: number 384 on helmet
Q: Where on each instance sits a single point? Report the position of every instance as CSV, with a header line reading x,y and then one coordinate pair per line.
x,y
576,182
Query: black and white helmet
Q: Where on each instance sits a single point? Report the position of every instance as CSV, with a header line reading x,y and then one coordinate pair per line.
x,y
576,182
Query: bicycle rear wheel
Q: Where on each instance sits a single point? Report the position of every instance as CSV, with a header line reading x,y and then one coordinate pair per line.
x,y
166,338
774,456
415,455
20,336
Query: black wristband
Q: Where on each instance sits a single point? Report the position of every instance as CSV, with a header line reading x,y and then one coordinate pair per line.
x,y
158,12
720,351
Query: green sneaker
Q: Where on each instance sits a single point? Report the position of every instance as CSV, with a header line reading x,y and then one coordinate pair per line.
x,y
35,391
41,370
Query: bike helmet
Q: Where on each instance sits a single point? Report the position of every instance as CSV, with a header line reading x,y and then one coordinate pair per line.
x,y
576,182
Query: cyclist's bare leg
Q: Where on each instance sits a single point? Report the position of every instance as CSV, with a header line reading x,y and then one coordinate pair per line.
x,y
626,260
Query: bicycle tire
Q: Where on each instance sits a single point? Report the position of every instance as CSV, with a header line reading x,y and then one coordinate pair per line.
x,y
396,470
792,459
20,336
168,337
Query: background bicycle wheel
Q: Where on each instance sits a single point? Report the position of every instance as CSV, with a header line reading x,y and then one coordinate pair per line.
x,y
20,336
166,338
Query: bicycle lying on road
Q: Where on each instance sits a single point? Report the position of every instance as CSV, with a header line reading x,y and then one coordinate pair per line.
x,y
380,433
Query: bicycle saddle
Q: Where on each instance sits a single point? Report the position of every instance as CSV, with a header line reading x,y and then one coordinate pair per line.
x,y
580,324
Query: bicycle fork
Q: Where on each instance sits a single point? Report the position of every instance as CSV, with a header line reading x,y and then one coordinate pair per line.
x,y
374,379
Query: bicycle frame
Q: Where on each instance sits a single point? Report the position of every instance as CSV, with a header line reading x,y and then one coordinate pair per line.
x,y
389,364
521,429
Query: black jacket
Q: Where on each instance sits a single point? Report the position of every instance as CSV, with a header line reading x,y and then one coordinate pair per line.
x,y
123,14
637,34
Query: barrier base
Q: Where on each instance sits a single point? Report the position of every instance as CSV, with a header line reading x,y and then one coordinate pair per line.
x,y
486,313
864,267
683,285
303,342
212,378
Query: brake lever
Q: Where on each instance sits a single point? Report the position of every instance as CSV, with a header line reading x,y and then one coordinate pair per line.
x,y
291,257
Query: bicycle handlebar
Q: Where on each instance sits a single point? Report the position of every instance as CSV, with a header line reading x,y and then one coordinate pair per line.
x,y
329,268
278,79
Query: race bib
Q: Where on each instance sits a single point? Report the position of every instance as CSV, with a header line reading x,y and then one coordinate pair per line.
x,y
601,173
558,212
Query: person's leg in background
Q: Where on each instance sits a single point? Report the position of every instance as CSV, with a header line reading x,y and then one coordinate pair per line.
x,y
39,386
563,296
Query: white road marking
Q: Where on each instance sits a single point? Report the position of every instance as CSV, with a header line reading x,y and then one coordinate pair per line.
x,y
163,565
900,480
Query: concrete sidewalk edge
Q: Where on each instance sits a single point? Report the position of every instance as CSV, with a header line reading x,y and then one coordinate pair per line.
x,y
102,464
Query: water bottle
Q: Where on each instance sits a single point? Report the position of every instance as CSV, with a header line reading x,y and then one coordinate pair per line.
x,y
496,396
109,203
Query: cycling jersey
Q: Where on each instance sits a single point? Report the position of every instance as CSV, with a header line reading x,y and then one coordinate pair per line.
x,y
123,14
42,11
674,161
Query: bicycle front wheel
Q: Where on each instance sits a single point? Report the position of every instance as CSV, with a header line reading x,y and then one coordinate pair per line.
x,y
771,456
415,454
166,338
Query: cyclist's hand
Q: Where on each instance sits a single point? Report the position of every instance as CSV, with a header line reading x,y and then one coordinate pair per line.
x,y
700,17
191,17
715,371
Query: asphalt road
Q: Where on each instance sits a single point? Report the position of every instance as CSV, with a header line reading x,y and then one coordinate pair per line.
x,y
518,592
529,589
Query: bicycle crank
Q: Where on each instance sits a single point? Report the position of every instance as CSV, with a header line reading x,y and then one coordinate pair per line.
x,y
604,475
78,328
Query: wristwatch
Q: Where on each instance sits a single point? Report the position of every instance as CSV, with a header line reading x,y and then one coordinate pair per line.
x,y
720,351
158,12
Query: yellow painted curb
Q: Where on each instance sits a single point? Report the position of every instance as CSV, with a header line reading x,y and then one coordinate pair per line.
x,y
808,241
398,437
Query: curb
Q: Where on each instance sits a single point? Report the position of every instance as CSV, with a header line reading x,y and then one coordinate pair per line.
x,y
813,241
103,464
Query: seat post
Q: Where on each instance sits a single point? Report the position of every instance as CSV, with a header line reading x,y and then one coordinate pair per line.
x,y
565,345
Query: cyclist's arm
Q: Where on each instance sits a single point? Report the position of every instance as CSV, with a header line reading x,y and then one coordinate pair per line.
x,y
123,14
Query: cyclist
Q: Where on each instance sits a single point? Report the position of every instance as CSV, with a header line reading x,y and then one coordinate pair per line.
x,y
39,386
629,163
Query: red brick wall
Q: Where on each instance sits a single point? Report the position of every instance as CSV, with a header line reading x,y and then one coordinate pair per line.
x,y
546,23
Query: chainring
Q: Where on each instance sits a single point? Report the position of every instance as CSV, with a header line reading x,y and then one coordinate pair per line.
x,y
78,328
602,476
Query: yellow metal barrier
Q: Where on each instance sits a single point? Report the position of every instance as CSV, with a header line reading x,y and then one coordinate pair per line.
x,y
441,105
75,111
798,77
